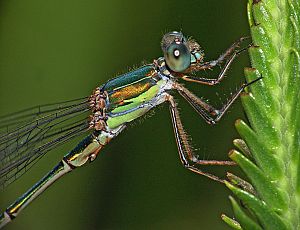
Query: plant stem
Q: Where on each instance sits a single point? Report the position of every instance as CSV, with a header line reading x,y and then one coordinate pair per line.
x,y
273,109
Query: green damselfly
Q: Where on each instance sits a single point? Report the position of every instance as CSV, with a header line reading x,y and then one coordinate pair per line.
x,y
29,134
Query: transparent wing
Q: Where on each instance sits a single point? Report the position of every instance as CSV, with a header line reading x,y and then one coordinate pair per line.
x,y
10,121
27,135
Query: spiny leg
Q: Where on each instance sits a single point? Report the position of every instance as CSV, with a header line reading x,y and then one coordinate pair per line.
x,y
199,105
184,148
213,115
208,65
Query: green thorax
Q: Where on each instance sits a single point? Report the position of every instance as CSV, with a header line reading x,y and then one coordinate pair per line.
x,y
128,95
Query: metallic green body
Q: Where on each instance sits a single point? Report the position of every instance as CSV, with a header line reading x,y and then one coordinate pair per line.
x,y
60,169
86,150
129,95
113,105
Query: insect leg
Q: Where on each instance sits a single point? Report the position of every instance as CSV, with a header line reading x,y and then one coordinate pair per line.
x,y
184,149
208,65
213,115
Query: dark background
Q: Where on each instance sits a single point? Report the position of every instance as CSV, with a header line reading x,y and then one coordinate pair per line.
x,y
54,50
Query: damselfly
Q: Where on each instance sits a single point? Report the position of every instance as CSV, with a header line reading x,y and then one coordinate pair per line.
x,y
30,134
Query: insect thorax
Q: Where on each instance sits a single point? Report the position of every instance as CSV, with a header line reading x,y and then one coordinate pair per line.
x,y
127,97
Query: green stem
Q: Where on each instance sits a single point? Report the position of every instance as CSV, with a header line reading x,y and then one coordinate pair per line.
x,y
273,109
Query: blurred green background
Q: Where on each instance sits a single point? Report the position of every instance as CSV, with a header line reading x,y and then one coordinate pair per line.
x,y
53,51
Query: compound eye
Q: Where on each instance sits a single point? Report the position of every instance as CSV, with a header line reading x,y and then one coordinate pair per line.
x,y
178,57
